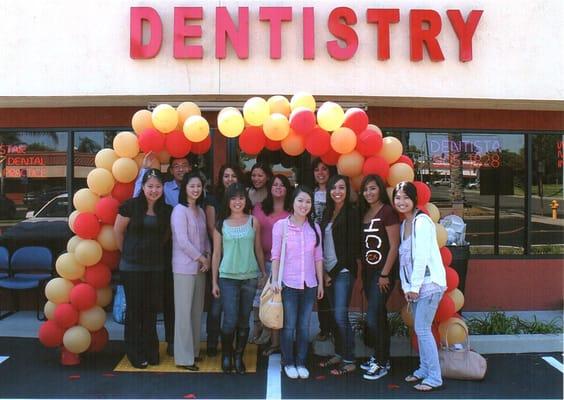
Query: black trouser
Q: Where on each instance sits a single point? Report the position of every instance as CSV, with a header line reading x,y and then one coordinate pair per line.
x,y
142,292
325,316
377,315
168,305
213,320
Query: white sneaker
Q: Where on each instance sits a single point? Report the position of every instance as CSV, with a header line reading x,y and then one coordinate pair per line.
x,y
303,372
376,372
291,371
368,364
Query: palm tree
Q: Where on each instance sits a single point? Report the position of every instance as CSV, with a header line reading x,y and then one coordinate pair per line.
x,y
456,175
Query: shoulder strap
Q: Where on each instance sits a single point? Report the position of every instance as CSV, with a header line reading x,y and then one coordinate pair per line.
x,y
283,253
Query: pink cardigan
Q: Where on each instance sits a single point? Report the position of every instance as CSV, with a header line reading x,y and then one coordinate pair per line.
x,y
189,239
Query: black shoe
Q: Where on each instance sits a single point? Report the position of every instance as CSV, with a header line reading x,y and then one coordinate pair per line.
x,y
211,351
227,352
140,365
170,349
155,360
242,338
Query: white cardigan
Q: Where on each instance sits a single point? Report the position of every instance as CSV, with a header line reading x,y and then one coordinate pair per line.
x,y
424,254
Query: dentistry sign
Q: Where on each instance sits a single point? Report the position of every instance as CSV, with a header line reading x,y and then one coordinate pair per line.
x,y
232,28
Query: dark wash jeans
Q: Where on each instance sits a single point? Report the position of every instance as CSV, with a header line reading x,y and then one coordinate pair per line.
x,y
377,316
339,294
298,306
237,303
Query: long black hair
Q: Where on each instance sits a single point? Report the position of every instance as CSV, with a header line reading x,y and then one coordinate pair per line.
x,y
330,203
382,192
183,197
234,190
140,204
309,216
219,189
268,203
315,163
266,169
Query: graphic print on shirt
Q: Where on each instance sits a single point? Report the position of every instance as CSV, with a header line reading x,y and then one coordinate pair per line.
x,y
372,243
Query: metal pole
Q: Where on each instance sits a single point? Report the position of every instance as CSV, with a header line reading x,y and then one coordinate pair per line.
x,y
528,194
496,223
70,170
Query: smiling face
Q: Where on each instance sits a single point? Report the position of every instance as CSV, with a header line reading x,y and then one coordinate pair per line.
x,y
321,174
193,189
258,177
179,167
403,203
302,205
229,177
371,192
278,189
237,203
153,189
339,191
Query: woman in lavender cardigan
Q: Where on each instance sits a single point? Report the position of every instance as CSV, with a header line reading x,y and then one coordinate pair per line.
x,y
190,261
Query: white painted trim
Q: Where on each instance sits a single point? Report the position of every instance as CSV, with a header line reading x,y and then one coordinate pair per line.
x,y
274,378
556,364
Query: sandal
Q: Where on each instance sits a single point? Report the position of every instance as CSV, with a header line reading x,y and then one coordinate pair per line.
x,y
345,368
412,378
321,337
423,387
264,337
271,350
330,362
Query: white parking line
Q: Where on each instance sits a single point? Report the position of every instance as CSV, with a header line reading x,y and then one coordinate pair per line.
x,y
555,363
3,358
274,378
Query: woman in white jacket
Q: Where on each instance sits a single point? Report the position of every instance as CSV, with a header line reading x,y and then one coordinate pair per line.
x,y
423,280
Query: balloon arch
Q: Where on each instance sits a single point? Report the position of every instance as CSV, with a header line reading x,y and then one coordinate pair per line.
x,y
77,297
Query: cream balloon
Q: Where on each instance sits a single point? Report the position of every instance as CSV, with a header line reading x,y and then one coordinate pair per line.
x,y
400,172
255,111
72,243
230,123
105,158
442,235
164,118
434,212
100,181
107,238
104,296
141,121
330,116
391,149
72,217
279,105
458,298
186,110
88,252
126,144
125,170
68,267
276,127
92,319
77,339
196,129
303,99
58,290
49,309
457,331
84,200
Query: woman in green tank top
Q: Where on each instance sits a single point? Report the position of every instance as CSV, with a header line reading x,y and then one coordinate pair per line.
x,y
237,263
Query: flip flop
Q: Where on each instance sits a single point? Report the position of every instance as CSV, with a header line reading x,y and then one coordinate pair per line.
x,y
412,378
423,387
343,370
330,362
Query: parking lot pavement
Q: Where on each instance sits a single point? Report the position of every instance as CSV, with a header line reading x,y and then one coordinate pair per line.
x,y
34,371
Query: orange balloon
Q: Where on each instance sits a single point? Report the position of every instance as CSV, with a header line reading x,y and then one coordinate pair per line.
x,y
279,105
186,110
458,298
350,164
434,212
391,149
442,235
343,140
457,331
400,172
141,120
293,144
276,127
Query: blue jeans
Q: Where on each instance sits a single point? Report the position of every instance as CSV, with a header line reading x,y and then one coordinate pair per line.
x,y
237,302
423,313
377,317
298,306
339,294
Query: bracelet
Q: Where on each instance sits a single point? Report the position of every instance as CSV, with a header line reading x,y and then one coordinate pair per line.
x,y
384,276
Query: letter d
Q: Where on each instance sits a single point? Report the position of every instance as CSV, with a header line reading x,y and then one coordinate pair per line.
x,y
138,15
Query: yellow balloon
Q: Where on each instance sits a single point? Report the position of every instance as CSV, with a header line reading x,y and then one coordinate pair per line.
x,y
155,163
400,172
343,140
92,319
164,118
141,121
255,111
441,235
186,110
458,297
84,200
104,296
279,105
49,310
125,170
330,116
100,181
276,127
72,243
391,149
407,315
106,238
72,217
88,252
196,129
126,144
457,331
350,164
230,123
293,144
105,158
57,290
226,109
77,339
68,267
303,99
434,212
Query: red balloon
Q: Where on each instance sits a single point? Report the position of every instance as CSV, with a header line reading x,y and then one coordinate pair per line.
x,y
83,296
98,276
376,165
65,315
452,279
51,334
273,145
356,119
107,209
446,255
368,143
445,310
424,209
252,140
406,160
110,259
123,191
331,157
318,142
86,225
177,145
423,193
202,147
302,120
99,339
151,140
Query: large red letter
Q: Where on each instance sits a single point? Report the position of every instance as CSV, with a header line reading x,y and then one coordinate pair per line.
x,y
183,31
138,15
383,17
344,32
309,33
225,28
275,15
464,31
420,36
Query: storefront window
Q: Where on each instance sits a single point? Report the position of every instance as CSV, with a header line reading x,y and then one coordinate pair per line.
x,y
86,145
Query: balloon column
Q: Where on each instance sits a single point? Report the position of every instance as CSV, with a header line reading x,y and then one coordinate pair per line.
x,y
77,297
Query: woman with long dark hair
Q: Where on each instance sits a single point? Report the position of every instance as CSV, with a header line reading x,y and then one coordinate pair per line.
x,y
379,245
260,175
142,228
237,262
340,229
302,278
423,281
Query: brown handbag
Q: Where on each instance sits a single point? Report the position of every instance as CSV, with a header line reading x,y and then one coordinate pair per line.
x,y
463,364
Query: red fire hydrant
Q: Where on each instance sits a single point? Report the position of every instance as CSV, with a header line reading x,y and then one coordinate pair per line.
x,y
554,206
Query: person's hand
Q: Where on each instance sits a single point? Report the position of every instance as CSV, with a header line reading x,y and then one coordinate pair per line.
x,y
275,287
411,296
262,279
384,284
148,159
215,290
204,263
320,292
326,279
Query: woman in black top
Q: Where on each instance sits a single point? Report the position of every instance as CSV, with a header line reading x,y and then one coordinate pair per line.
x,y
341,253
141,229
380,243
